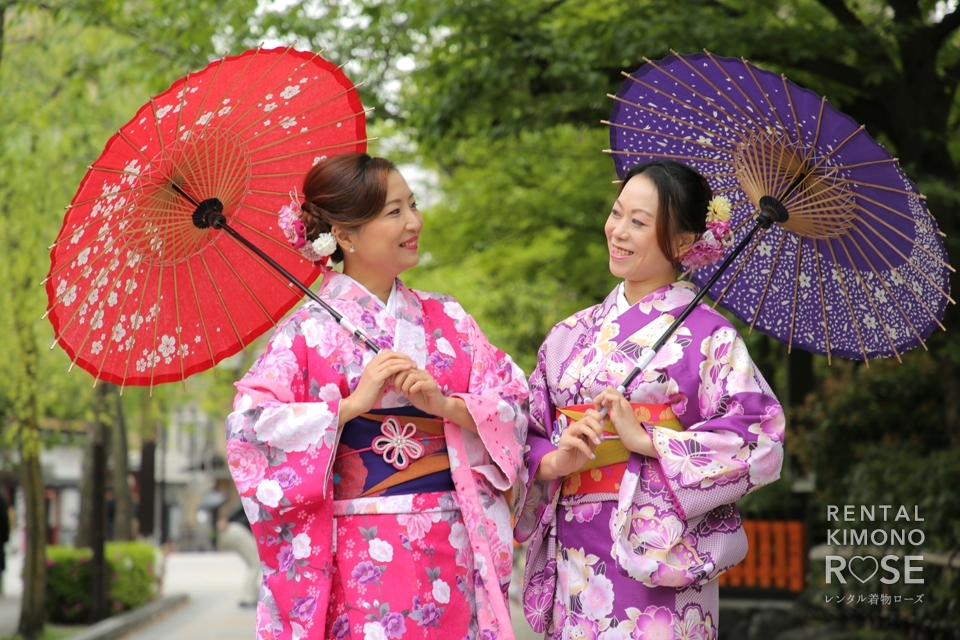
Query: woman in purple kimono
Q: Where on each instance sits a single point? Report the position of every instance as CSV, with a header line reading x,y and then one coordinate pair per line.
x,y
630,521
375,484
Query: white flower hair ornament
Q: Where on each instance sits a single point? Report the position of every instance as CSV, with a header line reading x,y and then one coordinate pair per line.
x,y
318,250
711,246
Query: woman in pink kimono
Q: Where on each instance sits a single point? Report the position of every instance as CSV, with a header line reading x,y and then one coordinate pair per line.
x,y
631,521
375,484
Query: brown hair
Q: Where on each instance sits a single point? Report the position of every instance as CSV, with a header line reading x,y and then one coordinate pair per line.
x,y
684,196
347,190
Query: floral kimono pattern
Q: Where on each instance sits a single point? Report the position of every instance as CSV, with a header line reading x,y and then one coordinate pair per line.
x,y
282,439
641,560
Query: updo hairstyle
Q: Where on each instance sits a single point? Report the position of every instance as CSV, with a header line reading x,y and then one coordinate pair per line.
x,y
684,196
347,190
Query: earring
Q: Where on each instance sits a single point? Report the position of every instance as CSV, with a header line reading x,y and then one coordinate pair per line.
x,y
351,248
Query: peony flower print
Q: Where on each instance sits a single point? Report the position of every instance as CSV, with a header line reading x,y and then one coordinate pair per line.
x,y
269,493
381,550
247,464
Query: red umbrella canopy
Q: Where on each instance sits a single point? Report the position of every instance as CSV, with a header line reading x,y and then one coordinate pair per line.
x,y
139,295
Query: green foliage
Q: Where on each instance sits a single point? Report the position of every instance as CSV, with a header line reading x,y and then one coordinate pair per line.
x,y
518,238
874,438
862,410
131,580
71,74
476,68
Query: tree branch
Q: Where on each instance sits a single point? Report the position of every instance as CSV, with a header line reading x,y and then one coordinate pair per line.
x,y
951,76
838,9
939,32
833,70
550,7
906,9
730,12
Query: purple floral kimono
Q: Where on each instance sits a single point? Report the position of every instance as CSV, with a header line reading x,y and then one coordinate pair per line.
x,y
430,562
640,561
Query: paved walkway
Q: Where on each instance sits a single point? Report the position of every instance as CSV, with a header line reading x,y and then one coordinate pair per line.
x,y
213,581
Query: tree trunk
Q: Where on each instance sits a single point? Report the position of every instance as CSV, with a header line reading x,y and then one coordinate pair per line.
x,y
82,538
951,398
148,488
123,502
33,604
102,421
801,380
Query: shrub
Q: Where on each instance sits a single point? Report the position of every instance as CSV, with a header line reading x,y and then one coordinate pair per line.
x,y
131,580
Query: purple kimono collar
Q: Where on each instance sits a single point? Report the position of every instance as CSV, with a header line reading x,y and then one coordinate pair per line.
x,y
612,345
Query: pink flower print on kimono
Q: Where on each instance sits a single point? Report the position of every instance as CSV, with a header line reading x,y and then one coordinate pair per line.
x,y
282,440
247,464
279,365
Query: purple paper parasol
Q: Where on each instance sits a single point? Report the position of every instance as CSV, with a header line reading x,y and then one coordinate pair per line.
x,y
858,270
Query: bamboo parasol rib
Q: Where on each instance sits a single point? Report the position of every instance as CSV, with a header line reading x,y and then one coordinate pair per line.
x,y
869,277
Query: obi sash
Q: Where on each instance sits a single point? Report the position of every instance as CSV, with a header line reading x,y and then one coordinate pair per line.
x,y
388,452
603,474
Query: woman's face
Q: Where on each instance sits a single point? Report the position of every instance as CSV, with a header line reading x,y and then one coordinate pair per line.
x,y
387,245
631,233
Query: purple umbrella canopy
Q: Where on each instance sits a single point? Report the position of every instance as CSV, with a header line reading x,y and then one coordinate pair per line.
x,y
859,268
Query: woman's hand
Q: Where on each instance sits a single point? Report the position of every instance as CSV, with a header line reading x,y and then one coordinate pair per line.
x,y
423,392
577,444
633,435
384,366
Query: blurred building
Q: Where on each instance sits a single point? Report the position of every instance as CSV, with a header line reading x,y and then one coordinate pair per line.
x,y
190,478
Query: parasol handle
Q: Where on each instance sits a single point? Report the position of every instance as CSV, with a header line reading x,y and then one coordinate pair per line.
x,y
771,210
209,213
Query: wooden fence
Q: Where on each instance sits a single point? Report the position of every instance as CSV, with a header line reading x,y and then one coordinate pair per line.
x,y
775,559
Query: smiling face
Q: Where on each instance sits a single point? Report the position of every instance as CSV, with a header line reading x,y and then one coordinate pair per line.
x,y
387,245
631,230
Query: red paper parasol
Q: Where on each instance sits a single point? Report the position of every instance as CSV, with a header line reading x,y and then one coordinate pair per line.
x,y
139,294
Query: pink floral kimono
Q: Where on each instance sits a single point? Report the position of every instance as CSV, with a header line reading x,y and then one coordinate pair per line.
x,y
632,550
352,544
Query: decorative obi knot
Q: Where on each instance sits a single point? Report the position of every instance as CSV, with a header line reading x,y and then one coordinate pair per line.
x,y
393,451
397,444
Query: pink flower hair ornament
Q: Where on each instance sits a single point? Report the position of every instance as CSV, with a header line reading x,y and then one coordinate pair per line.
x,y
291,224
713,243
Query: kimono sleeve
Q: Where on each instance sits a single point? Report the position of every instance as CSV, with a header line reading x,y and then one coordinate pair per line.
x,y
537,495
497,400
737,445
281,413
